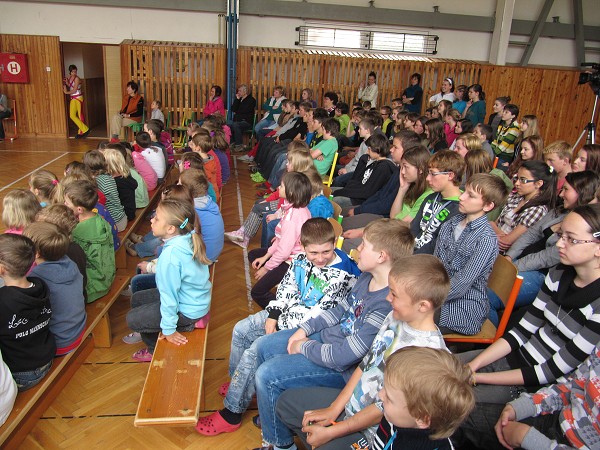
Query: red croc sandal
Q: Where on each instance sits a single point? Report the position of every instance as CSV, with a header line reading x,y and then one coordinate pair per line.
x,y
215,424
223,389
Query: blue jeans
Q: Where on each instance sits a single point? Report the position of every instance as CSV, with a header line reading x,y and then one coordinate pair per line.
x,y
278,371
144,317
264,123
143,281
341,180
532,283
147,247
237,130
242,361
268,232
30,378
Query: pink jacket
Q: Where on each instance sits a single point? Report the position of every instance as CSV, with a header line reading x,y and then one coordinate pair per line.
x,y
286,244
214,106
145,170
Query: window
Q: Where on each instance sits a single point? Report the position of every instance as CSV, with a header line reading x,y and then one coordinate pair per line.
x,y
367,40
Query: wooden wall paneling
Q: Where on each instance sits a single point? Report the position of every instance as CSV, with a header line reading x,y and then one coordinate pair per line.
x,y
41,102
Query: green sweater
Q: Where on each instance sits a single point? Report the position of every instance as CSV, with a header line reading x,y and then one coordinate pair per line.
x,y
95,238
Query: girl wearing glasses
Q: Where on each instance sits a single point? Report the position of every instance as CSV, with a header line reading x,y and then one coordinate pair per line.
x,y
535,251
535,193
556,334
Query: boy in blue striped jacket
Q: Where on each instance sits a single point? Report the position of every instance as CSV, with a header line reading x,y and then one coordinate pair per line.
x,y
468,247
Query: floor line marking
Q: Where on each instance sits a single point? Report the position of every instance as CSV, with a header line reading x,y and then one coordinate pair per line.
x,y
35,170
245,251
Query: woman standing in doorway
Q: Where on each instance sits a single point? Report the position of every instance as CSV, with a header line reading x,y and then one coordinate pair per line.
x,y
72,88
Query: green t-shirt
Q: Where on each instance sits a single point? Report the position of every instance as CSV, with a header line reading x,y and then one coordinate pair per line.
x,y
412,210
344,120
328,148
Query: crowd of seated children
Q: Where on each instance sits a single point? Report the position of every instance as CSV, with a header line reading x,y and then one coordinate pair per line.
x,y
372,172
417,288
298,160
325,349
555,336
182,294
315,281
64,281
19,208
558,155
468,248
535,193
588,158
26,343
94,235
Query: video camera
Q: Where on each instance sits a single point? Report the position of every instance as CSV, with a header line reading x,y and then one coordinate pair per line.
x,y
592,77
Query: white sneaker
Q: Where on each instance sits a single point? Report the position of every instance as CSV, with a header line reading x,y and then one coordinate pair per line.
x,y
246,158
235,236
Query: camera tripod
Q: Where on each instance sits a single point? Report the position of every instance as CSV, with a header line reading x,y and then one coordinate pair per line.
x,y
590,128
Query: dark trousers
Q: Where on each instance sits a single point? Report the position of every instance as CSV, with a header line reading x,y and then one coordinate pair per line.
x,y
237,130
261,291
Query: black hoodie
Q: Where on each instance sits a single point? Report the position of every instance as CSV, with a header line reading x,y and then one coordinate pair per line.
x,y
25,338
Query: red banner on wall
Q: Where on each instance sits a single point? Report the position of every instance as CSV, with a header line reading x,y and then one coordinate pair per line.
x,y
13,68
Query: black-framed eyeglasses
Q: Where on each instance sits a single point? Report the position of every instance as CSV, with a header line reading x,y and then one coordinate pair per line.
x,y
524,180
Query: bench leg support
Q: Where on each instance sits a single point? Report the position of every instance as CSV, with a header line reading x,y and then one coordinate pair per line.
x,y
102,333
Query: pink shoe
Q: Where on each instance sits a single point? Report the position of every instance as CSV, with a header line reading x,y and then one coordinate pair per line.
x,y
142,355
243,243
215,424
203,321
235,236
223,389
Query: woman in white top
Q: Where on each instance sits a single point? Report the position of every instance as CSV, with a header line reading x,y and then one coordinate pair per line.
x,y
369,92
446,93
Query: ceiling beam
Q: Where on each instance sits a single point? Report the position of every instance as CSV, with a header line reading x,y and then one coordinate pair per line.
x,y
537,30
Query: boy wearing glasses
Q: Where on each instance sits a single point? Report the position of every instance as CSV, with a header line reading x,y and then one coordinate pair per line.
x,y
445,173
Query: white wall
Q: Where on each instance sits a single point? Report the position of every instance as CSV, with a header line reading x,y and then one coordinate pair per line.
x,y
73,23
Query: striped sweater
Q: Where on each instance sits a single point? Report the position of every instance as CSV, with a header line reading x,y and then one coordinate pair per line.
x,y
348,330
108,186
468,259
559,330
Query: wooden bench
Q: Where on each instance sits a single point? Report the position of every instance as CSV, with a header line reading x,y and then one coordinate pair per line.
x,y
31,404
173,393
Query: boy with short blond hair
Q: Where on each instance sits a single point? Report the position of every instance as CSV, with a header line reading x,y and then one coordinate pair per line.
x,y
418,286
316,281
64,281
558,155
426,396
325,350
94,235
445,174
468,247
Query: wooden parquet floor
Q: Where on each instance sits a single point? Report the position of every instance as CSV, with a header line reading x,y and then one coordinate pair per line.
x,y
96,409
